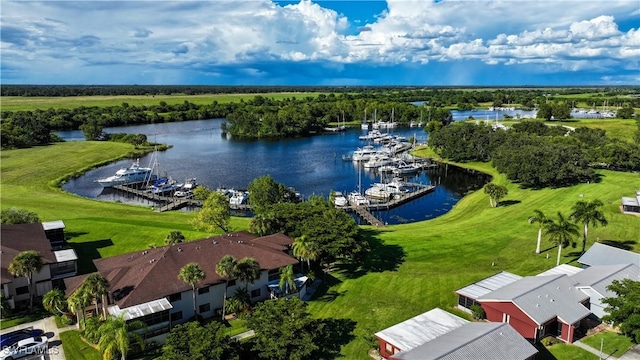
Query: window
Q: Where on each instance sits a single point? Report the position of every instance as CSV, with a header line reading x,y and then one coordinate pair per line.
x,y
274,274
175,297
388,348
231,282
22,290
203,290
62,268
155,318
205,307
255,293
177,316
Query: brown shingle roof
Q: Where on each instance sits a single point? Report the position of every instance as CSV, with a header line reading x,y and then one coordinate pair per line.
x,y
19,238
152,274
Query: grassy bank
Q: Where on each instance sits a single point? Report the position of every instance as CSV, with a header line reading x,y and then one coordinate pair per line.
x,y
413,267
23,103
96,228
418,266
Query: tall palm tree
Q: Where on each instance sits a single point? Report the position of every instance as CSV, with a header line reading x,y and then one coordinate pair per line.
x,y
287,279
115,335
247,271
226,268
192,274
542,220
561,233
588,212
77,302
54,302
305,249
96,285
174,237
239,302
27,263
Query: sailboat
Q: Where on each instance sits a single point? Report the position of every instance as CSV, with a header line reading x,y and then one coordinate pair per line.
x,y
355,197
365,124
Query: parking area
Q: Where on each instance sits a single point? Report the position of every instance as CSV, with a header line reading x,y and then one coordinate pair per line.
x,y
51,331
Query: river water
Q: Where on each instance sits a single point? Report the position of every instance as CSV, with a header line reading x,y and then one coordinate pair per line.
x,y
311,165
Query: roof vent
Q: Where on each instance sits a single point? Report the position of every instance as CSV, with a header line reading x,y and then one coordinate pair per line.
x,y
145,252
551,300
215,242
179,249
537,305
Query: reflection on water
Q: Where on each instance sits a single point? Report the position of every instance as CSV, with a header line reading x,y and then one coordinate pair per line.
x,y
312,165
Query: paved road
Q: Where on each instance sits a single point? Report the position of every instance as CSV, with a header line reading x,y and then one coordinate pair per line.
x,y
51,331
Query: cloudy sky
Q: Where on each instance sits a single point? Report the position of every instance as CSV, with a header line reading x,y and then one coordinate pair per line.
x,y
353,42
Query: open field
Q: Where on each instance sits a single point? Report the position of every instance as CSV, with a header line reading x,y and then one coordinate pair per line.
x,y
20,103
412,269
615,128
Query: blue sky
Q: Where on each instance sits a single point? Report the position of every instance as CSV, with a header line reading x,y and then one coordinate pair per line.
x,y
264,42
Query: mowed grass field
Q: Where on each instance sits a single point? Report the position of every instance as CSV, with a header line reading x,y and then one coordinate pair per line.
x,y
20,103
412,268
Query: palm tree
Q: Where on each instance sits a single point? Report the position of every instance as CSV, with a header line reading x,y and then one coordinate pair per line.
x,y
305,249
226,268
96,285
192,274
247,271
54,302
542,220
174,237
287,279
588,212
27,263
239,302
561,233
115,336
77,302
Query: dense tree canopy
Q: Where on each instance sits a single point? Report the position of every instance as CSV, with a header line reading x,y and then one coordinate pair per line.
x,y
192,341
334,233
284,330
624,308
13,216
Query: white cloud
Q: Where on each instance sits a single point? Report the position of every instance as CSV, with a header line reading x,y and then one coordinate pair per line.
x,y
567,34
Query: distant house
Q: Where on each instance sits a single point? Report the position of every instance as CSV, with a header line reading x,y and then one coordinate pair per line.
x,y
631,205
537,306
594,281
145,286
58,264
601,254
438,334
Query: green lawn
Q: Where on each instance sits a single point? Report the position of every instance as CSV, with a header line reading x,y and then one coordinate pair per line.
x,y
22,318
76,349
20,103
612,343
566,352
412,269
615,128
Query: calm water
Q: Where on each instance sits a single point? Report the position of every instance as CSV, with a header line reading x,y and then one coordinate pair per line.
x,y
311,165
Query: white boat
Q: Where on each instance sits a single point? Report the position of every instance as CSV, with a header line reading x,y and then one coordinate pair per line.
x,y
133,174
239,198
164,185
364,126
357,199
339,200
404,168
378,192
377,160
363,154
189,184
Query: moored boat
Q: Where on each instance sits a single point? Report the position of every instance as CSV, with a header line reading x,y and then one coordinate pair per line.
x,y
357,199
339,200
133,174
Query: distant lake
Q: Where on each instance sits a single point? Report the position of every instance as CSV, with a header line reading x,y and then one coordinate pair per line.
x,y
311,165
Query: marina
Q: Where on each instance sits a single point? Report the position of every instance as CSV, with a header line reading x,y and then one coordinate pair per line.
x,y
312,165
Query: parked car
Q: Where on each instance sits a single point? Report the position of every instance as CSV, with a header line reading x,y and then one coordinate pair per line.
x,y
15,336
32,346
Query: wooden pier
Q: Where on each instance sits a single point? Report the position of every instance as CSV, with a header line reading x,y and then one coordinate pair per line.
x,y
364,211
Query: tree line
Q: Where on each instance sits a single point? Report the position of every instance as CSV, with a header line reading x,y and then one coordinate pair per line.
x,y
535,155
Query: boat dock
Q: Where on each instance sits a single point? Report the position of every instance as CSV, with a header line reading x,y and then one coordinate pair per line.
x,y
364,213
